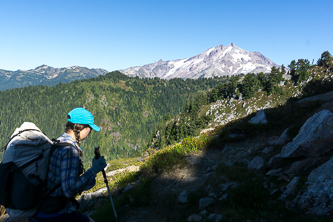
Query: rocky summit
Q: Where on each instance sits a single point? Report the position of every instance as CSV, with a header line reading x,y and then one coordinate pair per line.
x,y
217,61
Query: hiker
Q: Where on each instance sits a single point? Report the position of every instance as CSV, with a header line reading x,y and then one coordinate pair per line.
x,y
65,168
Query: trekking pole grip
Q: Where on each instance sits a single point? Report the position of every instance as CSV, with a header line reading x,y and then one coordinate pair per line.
x,y
98,155
97,152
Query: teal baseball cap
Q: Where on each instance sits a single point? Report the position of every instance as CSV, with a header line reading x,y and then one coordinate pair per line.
x,y
82,116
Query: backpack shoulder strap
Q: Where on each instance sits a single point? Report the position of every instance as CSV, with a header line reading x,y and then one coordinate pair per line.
x,y
57,143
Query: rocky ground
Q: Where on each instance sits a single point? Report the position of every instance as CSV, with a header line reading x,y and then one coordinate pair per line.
x,y
175,186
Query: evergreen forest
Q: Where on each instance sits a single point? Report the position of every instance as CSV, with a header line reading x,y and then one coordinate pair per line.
x,y
127,109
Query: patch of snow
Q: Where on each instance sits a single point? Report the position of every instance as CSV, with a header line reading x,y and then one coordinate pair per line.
x,y
176,65
228,49
241,56
209,51
196,61
249,66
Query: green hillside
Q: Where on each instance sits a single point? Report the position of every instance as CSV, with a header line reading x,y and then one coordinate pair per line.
x,y
127,109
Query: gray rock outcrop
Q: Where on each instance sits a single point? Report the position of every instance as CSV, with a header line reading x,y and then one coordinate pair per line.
x,y
131,168
182,197
290,188
313,140
307,153
215,217
257,163
205,202
194,218
317,198
316,133
281,140
260,118
91,199
321,97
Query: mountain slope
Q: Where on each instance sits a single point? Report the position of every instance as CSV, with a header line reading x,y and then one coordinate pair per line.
x,y
45,75
217,61
229,178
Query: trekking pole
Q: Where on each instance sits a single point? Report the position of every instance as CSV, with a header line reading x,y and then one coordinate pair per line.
x,y
97,155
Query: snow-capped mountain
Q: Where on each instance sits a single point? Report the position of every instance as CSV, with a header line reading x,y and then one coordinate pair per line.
x,y
217,61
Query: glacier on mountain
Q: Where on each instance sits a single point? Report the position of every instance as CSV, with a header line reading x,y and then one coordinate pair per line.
x,y
216,61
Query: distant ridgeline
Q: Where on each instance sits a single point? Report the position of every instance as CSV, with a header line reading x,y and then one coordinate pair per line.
x,y
127,109
45,75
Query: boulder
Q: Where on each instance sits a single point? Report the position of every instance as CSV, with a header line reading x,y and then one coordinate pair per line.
x,y
278,161
321,97
268,149
224,196
132,168
205,202
206,130
90,199
317,198
314,138
290,188
215,217
182,197
140,159
260,118
302,166
194,218
281,140
274,172
257,163
281,83
287,76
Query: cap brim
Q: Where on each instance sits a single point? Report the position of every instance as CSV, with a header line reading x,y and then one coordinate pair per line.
x,y
94,127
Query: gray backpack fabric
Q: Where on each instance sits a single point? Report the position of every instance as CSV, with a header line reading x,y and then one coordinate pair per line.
x,y
27,156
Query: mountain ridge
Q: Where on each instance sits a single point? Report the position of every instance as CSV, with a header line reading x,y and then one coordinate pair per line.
x,y
220,60
46,75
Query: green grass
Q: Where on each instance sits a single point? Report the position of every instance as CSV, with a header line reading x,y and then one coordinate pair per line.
x,y
167,158
121,163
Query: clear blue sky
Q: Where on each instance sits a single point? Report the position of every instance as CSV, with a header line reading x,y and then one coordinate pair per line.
x,y
115,35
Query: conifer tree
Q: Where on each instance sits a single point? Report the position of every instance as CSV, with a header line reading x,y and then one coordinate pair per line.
x,y
325,60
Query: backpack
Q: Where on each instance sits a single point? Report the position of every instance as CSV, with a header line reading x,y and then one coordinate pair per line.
x,y
23,170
